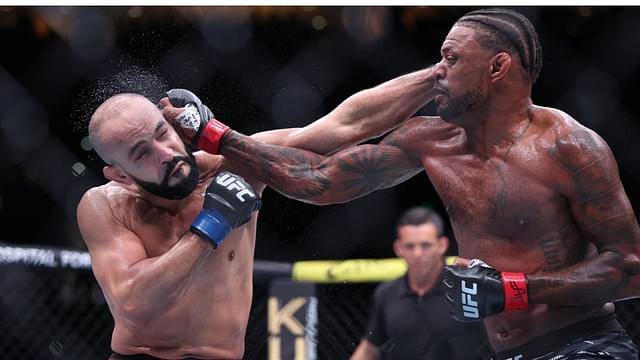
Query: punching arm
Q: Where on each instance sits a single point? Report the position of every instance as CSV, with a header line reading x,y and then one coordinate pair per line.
x,y
317,179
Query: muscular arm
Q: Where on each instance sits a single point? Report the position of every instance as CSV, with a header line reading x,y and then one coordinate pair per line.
x,y
136,286
601,210
367,114
364,115
317,179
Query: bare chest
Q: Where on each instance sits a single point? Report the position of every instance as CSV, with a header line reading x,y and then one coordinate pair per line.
x,y
159,230
495,199
224,278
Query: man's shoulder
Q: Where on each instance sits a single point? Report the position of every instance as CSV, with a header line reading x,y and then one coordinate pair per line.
x,y
102,212
568,142
560,124
104,200
94,197
390,288
105,192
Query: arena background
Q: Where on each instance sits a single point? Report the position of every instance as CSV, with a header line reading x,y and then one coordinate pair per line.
x,y
257,68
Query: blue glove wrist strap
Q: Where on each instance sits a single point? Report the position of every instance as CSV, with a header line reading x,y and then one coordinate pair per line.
x,y
212,225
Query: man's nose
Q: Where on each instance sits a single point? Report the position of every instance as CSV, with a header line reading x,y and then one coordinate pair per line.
x,y
440,71
417,251
165,154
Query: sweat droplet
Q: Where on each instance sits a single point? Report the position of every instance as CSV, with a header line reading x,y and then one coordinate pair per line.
x,y
85,143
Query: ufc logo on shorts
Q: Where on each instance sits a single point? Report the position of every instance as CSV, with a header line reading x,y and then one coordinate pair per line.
x,y
232,183
517,357
469,306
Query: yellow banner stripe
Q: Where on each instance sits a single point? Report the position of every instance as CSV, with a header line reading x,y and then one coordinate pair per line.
x,y
355,270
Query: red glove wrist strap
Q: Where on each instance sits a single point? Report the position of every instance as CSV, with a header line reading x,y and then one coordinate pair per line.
x,y
516,295
209,140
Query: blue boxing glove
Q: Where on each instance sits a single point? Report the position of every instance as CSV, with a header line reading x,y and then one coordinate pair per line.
x,y
228,203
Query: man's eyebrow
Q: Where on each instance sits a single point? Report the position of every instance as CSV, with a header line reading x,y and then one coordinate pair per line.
x,y
135,147
141,142
158,126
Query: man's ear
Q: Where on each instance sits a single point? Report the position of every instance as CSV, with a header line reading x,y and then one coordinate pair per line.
x,y
443,243
113,173
500,65
397,248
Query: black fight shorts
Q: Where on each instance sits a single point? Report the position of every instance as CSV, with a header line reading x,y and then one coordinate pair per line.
x,y
599,338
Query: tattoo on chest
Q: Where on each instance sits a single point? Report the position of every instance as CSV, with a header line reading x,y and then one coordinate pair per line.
x,y
498,202
554,253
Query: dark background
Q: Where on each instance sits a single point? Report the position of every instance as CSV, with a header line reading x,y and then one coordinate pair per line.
x,y
260,68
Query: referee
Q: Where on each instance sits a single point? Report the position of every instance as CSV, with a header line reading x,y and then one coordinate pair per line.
x,y
410,316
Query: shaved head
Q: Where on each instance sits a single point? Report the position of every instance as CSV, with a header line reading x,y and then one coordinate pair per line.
x,y
129,132
103,126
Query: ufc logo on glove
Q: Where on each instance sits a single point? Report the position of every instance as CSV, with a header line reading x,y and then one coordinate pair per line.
x,y
469,305
479,291
232,183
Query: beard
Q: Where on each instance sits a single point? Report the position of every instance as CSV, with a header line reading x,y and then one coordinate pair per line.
x,y
182,189
459,105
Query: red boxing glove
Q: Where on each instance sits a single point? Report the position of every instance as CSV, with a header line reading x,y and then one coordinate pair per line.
x,y
211,135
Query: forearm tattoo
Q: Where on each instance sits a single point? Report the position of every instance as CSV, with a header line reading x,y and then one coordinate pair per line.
x,y
307,176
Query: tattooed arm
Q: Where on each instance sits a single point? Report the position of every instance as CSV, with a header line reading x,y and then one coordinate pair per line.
x,y
364,115
604,216
317,179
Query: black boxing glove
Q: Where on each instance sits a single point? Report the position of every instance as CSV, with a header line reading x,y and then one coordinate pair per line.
x,y
228,204
479,291
197,123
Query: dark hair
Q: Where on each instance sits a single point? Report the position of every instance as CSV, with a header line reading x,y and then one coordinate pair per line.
x,y
419,215
503,29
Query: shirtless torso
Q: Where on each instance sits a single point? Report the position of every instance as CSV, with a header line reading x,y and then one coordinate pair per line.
x,y
511,210
549,204
210,318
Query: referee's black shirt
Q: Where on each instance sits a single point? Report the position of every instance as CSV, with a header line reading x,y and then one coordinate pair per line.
x,y
407,326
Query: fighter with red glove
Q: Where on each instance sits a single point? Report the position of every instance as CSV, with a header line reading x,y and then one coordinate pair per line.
x,y
478,291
